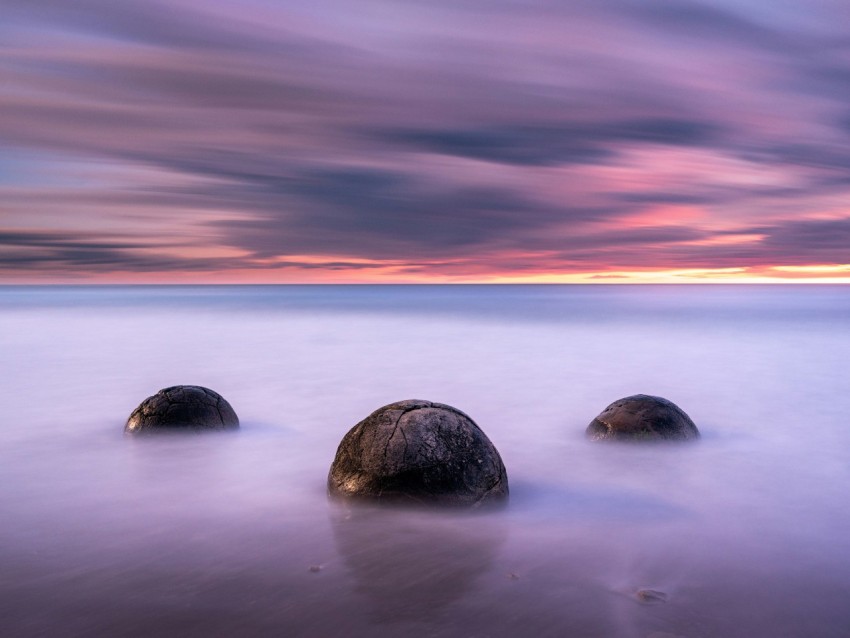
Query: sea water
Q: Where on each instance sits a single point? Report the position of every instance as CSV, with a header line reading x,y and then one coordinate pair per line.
x,y
744,533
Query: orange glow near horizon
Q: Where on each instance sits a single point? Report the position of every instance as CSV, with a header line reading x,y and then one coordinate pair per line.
x,y
277,272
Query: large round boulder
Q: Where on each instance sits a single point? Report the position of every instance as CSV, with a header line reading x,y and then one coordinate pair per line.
x,y
418,452
642,417
182,408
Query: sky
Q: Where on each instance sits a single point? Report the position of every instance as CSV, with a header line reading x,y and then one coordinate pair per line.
x,y
607,141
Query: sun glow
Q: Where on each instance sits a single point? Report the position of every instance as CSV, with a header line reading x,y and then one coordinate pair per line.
x,y
817,274
822,268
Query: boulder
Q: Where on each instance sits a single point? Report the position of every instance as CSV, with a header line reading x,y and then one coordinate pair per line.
x,y
642,418
418,452
182,408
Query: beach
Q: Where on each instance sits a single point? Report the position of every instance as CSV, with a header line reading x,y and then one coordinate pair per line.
x,y
742,533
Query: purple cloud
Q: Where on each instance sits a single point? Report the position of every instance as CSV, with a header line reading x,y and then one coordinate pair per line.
x,y
539,137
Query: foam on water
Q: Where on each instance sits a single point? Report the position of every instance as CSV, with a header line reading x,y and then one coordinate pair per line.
x,y
744,532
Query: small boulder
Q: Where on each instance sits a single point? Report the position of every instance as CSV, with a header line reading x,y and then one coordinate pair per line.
x,y
642,417
418,452
182,408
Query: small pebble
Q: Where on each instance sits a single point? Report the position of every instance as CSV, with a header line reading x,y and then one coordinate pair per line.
x,y
651,596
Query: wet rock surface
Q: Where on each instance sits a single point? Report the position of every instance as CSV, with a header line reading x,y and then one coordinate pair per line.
x,y
182,408
642,417
418,452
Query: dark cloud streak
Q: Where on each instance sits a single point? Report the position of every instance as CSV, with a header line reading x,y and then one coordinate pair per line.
x,y
553,144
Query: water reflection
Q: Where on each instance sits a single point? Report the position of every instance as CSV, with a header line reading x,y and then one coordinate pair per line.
x,y
411,565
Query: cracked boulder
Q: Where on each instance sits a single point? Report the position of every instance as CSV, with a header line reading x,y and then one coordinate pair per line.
x,y
642,417
418,452
182,408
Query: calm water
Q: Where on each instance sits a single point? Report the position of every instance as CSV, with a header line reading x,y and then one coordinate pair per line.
x,y
745,532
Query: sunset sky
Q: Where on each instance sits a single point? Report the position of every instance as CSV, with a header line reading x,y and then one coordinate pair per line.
x,y
257,141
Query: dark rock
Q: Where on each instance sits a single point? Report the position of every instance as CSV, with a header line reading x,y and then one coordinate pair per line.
x,y
419,452
650,596
642,417
182,408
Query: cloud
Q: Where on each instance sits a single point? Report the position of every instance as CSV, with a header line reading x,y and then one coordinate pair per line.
x,y
302,136
811,241
173,24
546,145
57,239
790,242
525,146
57,250
687,19
386,214
665,197
75,253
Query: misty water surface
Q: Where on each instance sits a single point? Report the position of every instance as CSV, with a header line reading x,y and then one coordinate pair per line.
x,y
232,534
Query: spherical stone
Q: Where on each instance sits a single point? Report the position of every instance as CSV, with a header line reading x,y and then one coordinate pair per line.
x,y
419,452
642,417
182,408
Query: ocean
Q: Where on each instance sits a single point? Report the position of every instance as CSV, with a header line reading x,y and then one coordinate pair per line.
x,y
741,534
